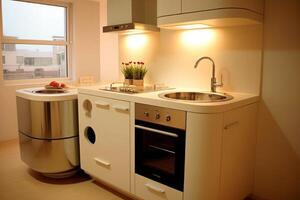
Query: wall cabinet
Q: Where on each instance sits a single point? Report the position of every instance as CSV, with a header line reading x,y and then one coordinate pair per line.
x,y
168,7
209,12
202,5
104,139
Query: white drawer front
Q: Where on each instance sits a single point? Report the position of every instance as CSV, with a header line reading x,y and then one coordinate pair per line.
x,y
150,190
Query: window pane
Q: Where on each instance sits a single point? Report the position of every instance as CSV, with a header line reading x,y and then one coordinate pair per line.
x,y
32,21
33,61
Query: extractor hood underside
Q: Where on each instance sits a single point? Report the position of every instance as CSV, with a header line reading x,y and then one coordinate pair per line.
x,y
130,27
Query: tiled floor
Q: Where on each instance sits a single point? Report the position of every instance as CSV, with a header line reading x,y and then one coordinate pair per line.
x,y
17,182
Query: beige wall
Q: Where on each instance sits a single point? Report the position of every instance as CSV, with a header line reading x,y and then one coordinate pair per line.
x,y
85,62
170,56
109,49
278,151
86,39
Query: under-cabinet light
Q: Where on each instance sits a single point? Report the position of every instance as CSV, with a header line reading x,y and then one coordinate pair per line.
x,y
192,26
197,37
136,41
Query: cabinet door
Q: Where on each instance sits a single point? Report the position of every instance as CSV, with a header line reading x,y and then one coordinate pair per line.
x,y
202,156
119,12
104,147
238,153
201,5
168,7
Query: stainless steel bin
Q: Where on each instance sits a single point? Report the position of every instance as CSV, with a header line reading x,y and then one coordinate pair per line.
x,y
48,133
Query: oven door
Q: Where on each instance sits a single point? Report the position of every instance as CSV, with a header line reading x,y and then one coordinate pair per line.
x,y
159,153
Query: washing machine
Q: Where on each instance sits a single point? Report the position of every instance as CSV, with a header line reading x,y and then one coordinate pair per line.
x,y
48,130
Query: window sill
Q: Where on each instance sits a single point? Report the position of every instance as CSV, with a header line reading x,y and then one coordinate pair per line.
x,y
35,81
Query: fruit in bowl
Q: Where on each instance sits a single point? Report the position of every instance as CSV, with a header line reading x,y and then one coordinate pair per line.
x,y
55,85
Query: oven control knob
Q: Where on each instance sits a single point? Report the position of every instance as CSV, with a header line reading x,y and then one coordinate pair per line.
x,y
146,114
157,116
168,118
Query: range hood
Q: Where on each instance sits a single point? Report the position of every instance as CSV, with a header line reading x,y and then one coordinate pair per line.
x,y
131,16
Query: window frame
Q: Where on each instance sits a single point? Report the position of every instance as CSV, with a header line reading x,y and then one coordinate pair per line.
x,y
68,44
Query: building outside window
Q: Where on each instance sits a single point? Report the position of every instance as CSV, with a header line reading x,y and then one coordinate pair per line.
x,y
20,60
35,40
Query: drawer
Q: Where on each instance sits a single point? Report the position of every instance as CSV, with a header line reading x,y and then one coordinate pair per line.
x,y
150,190
111,172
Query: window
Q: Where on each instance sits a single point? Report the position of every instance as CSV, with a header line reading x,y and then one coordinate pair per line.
x,y
20,60
35,39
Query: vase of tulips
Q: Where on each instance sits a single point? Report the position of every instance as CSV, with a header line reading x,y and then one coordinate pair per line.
x,y
134,73
127,71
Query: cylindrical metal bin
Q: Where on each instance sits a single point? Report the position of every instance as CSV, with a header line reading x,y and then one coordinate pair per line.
x,y
48,132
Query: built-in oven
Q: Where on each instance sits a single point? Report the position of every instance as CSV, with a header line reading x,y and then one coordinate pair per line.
x,y
160,144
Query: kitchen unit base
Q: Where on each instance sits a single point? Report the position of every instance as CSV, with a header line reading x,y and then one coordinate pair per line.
x,y
219,144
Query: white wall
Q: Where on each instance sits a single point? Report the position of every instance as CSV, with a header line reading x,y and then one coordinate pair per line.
x,y
278,151
170,56
85,62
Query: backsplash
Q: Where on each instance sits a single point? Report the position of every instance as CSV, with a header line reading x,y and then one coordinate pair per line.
x,y
171,55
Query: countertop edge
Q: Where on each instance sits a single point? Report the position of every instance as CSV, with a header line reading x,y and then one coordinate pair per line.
x,y
26,94
151,98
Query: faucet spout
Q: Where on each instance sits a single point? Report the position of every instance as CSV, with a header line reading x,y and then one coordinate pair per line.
x,y
213,84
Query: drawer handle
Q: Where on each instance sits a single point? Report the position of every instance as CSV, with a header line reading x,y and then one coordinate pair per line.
x,y
122,108
101,162
101,104
154,188
230,125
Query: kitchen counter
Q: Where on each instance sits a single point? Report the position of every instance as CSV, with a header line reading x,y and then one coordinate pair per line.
x,y
152,98
31,95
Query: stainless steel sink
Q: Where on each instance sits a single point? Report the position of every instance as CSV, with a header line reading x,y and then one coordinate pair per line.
x,y
50,91
199,97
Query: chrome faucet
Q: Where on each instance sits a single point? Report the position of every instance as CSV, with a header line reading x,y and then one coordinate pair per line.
x,y
213,80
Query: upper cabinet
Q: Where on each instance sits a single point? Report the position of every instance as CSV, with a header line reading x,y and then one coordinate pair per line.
x,y
202,5
211,13
168,7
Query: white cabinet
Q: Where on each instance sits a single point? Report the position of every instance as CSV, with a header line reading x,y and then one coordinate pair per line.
x,y
168,7
104,139
202,156
202,5
209,12
238,153
220,154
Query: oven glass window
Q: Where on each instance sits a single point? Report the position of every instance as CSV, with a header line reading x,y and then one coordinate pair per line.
x,y
159,152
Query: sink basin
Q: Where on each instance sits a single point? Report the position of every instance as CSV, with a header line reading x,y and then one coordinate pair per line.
x,y
199,97
49,91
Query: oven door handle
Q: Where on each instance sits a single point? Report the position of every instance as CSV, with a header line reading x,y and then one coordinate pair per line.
x,y
157,131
